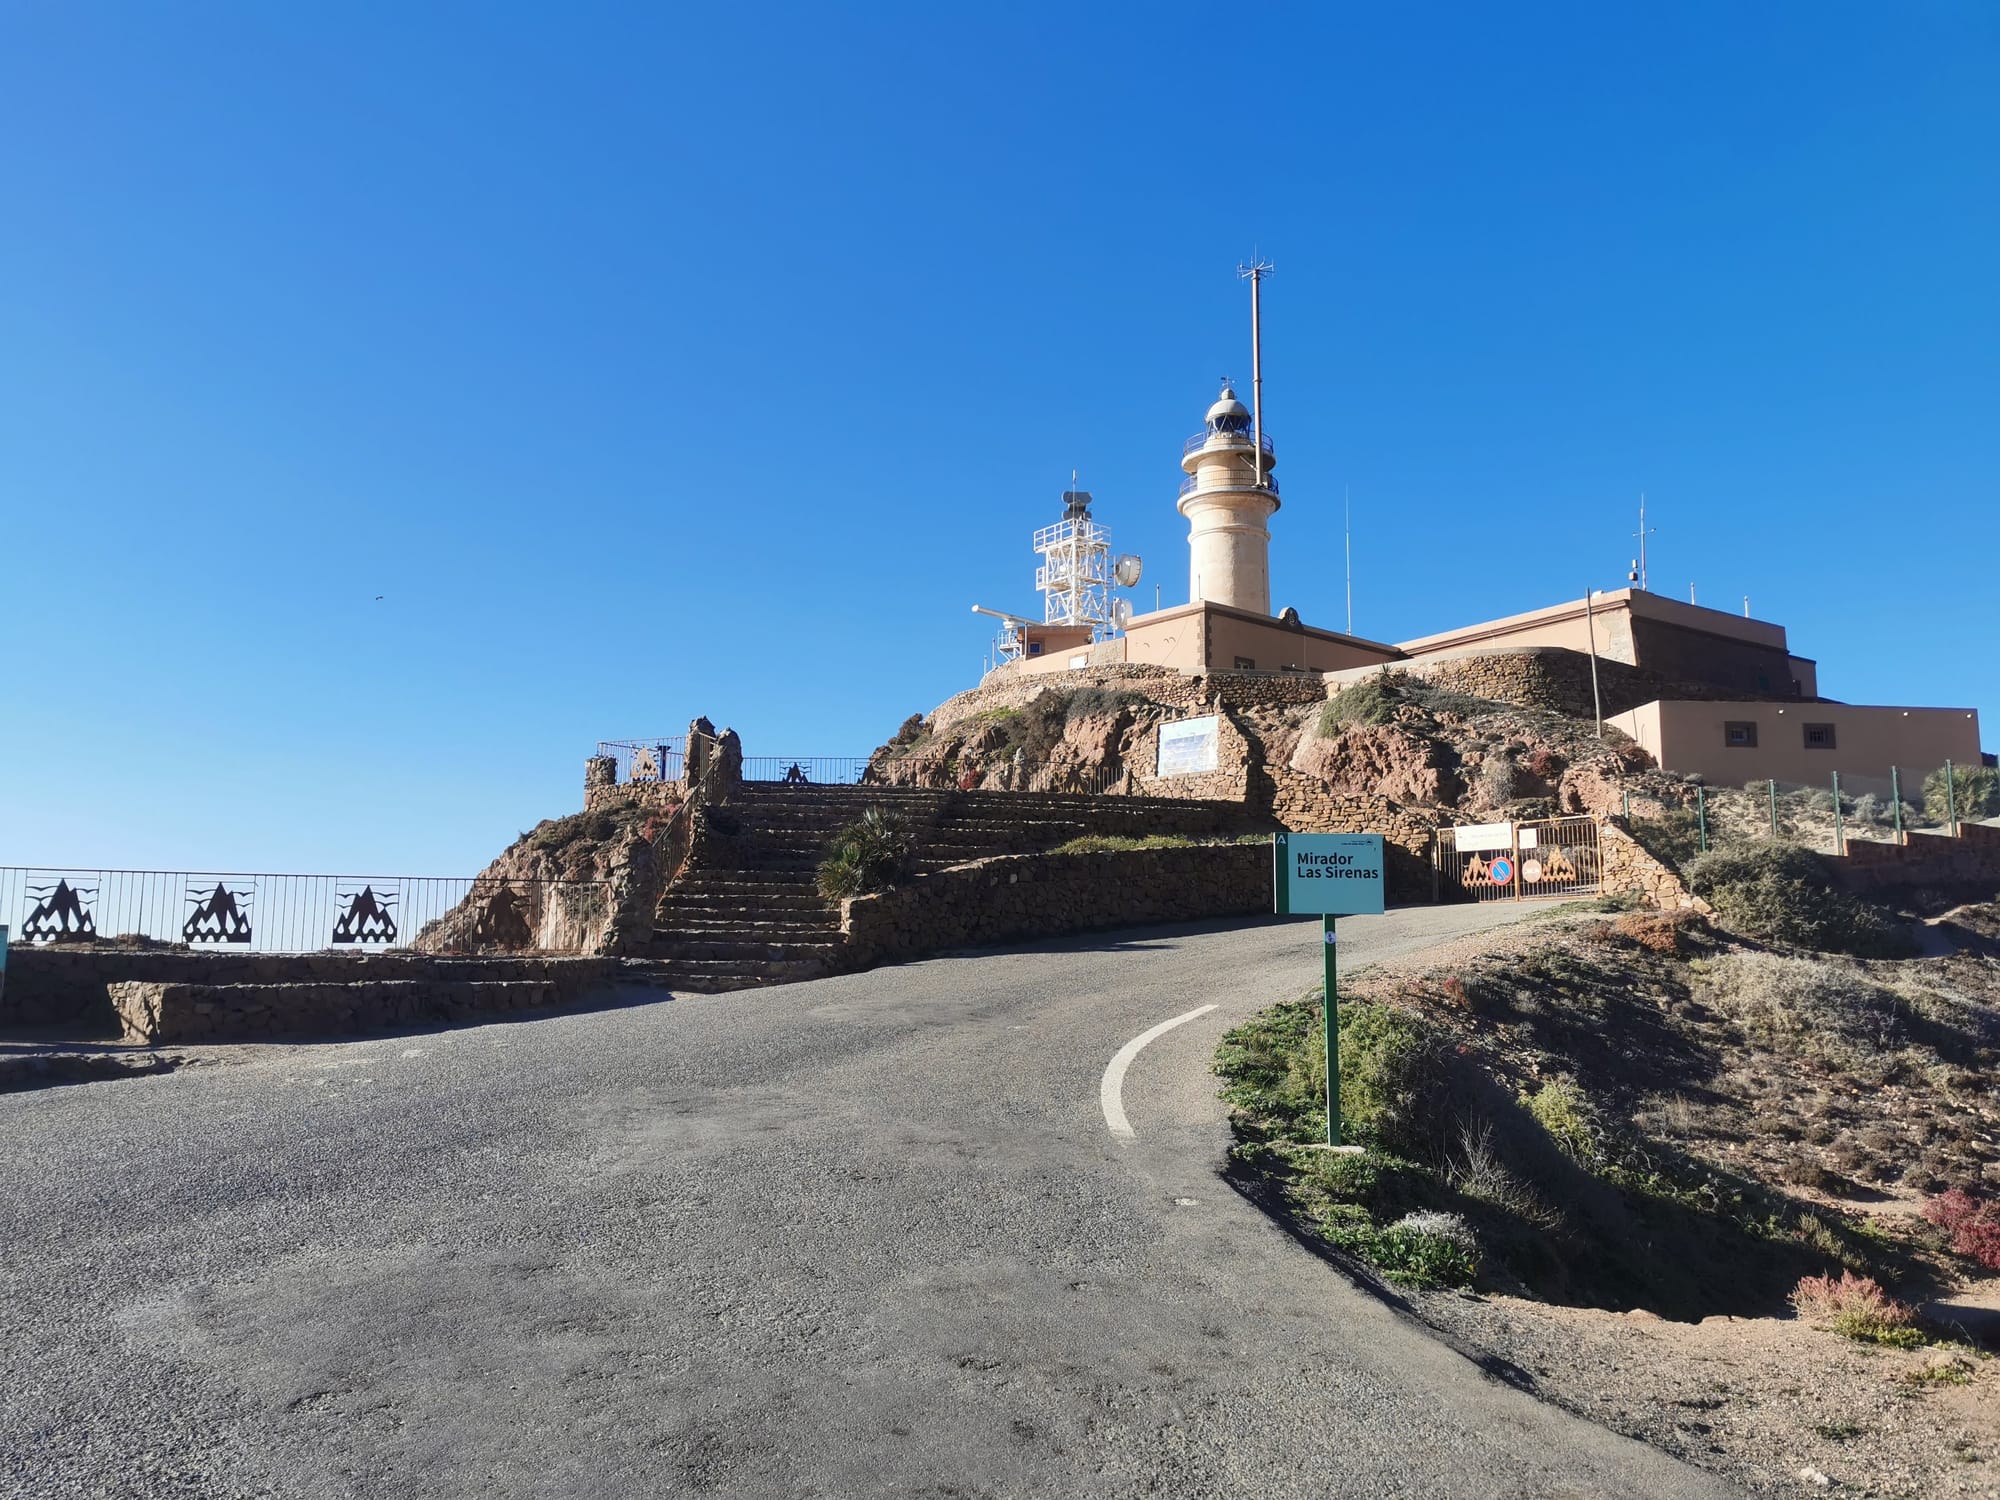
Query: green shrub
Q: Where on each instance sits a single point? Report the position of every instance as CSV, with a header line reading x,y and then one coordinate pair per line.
x,y
870,854
1673,838
1562,1109
1784,894
1427,1249
1373,700
1390,1062
1108,843
1975,792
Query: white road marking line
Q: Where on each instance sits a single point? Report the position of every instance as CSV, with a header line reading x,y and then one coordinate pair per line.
x,y
1110,1093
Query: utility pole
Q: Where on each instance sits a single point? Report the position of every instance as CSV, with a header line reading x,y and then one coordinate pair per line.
x,y
1590,625
1255,276
1347,522
1642,533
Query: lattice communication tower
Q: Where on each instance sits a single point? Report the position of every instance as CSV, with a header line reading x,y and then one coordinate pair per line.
x,y
1075,576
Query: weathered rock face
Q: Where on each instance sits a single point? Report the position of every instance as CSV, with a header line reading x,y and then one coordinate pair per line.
x,y
1383,760
1281,750
586,883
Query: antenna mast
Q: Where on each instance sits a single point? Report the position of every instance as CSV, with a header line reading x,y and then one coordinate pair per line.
x,y
1642,533
1255,276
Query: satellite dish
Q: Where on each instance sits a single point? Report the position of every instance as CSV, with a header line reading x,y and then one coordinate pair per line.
x,y
1126,569
1121,611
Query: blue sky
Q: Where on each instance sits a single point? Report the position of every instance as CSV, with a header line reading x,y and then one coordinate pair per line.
x,y
651,362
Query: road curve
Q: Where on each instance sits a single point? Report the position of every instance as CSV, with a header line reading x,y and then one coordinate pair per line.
x,y
865,1236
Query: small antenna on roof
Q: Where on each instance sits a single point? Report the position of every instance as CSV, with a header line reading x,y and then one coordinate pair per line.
x,y
1642,533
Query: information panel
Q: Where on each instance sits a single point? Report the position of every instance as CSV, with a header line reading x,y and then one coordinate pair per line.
x,y
1329,874
1187,747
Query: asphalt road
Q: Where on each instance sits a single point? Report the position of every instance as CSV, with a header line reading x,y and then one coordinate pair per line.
x,y
865,1236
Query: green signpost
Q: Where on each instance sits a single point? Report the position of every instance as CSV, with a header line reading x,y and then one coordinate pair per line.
x,y
1335,875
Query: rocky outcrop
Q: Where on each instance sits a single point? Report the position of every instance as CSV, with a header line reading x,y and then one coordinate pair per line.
x,y
1382,760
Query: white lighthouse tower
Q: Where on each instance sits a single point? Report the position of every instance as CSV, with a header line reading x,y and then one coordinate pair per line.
x,y
1228,497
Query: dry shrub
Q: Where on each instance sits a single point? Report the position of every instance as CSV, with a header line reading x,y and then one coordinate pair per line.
x,y
1973,1224
1655,931
1543,762
1806,1006
1855,1307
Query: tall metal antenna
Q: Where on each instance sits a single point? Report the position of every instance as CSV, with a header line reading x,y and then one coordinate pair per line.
x,y
1255,276
1347,522
1642,533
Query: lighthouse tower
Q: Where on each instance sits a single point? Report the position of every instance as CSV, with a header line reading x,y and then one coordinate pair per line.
x,y
1228,497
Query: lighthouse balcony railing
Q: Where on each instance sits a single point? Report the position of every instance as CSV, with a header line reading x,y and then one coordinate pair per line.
x,y
1190,484
1205,437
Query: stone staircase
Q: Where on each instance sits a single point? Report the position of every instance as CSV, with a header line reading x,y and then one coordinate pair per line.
x,y
754,916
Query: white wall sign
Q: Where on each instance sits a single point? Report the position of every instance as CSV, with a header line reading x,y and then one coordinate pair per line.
x,y
1187,748
1528,838
1478,838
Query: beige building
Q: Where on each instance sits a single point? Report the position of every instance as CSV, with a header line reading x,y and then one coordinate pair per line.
x,y
1680,642
1730,743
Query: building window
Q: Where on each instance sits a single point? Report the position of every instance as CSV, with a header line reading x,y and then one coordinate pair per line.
x,y
1245,664
1740,734
1819,736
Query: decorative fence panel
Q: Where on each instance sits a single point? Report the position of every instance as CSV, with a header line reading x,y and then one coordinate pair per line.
x,y
1526,861
301,913
661,759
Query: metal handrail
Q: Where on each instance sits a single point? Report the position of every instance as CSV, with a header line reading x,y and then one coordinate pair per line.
x,y
1189,485
1201,440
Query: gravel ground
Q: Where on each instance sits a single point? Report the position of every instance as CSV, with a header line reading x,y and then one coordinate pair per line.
x,y
1770,1403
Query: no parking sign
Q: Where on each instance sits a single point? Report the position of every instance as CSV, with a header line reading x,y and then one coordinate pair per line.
x,y
1501,870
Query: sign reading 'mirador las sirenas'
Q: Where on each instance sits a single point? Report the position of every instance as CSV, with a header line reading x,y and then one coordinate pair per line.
x,y
1328,874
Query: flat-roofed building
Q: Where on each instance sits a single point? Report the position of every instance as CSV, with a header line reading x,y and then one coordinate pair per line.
x,y
1686,643
1728,743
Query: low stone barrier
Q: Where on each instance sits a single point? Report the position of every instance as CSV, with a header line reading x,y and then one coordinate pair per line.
x,y
153,1014
1972,859
1024,896
68,987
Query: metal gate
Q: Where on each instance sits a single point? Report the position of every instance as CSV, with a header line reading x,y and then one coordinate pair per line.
x,y
1543,857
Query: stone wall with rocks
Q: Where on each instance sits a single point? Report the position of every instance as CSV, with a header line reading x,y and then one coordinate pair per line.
x,y
68,987
1970,860
1630,868
1306,804
160,1014
1553,678
659,796
1023,897
1190,694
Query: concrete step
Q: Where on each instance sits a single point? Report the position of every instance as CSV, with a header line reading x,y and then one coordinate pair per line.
x,y
675,925
675,949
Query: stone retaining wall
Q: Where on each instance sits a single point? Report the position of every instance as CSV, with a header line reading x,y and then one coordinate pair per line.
x,y
69,986
1630,867
1306,804
1972,859
1018,897
1554,678
1193,694
153,1014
